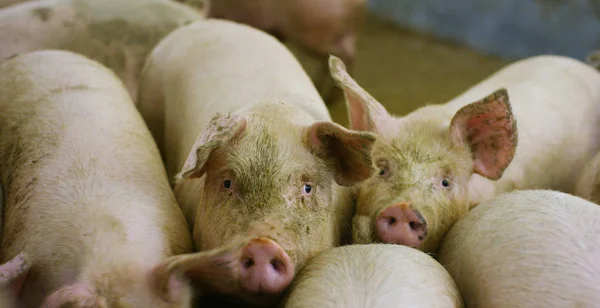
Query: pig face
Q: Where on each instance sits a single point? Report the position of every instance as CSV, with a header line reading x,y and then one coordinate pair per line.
x,y
425,163
276,182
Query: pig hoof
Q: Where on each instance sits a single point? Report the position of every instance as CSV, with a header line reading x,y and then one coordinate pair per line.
x,y
265,267
401,224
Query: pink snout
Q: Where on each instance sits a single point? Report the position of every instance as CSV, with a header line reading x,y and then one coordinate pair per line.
x,y
401,224
265,267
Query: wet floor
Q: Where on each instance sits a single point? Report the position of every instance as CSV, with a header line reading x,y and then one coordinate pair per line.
x,y
405,70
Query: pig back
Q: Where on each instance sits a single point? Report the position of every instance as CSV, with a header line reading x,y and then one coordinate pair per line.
x,y
217,66
80,172
373,275
119,34
534,248
556,101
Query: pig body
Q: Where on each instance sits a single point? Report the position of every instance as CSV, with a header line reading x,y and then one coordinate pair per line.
x,y
88,208
588,185
373,275
321,27
5,3
118,34
249,142
440,160
531,248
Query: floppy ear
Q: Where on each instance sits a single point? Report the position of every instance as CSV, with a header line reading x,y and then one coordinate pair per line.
x,y
214,270
347,152
13,274
364,112
220,130
489,129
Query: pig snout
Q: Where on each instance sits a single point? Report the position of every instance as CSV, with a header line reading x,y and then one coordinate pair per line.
x,y
265,267
401,224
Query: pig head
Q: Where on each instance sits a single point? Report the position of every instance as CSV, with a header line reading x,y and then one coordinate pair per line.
x,y
425,163
277,182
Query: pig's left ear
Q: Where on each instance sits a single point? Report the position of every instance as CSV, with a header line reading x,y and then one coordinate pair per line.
x,y
13,274
212,270
221,129
489,129
347,152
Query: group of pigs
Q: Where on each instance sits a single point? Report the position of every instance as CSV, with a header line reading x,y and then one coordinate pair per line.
x,y
150,155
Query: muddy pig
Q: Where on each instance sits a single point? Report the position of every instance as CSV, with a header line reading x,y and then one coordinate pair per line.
x,y
252,148
371,276
12,274
90,219
119,34
533,248
440,160
5,3
320,27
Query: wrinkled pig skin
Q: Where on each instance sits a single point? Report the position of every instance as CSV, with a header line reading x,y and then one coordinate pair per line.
x,y
372,276
320,27
119,34
90,218
531,125
250,146
533,248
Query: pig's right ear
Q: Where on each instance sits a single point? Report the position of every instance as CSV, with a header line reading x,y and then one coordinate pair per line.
x,y
347,152
220,130
365,113
13,274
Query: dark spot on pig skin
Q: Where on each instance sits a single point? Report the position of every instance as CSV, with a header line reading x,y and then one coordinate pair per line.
x,y
43,13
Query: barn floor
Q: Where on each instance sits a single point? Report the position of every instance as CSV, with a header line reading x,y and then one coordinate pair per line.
x,y
404,69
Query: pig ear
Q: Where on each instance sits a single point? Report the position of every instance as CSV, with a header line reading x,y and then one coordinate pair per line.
x,y
347,152
13,273
214,270
76,295
220,130
489,129
365,113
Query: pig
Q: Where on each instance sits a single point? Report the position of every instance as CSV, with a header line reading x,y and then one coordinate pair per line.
x,y
529,248
319,27
251,149
371,276
5,3
90,219
593,58
443,159
12,274
588,185
119,34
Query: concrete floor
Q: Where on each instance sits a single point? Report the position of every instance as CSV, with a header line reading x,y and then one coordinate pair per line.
x,y
405,70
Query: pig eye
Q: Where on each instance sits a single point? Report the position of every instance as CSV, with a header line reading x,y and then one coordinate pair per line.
x,y
446,183
381,171
227,184
307,189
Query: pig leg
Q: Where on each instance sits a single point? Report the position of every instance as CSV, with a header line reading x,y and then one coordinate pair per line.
x,y
13,274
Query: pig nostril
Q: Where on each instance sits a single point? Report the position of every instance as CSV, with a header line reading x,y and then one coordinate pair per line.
x,y
413,225
392,221
278,266
247,263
